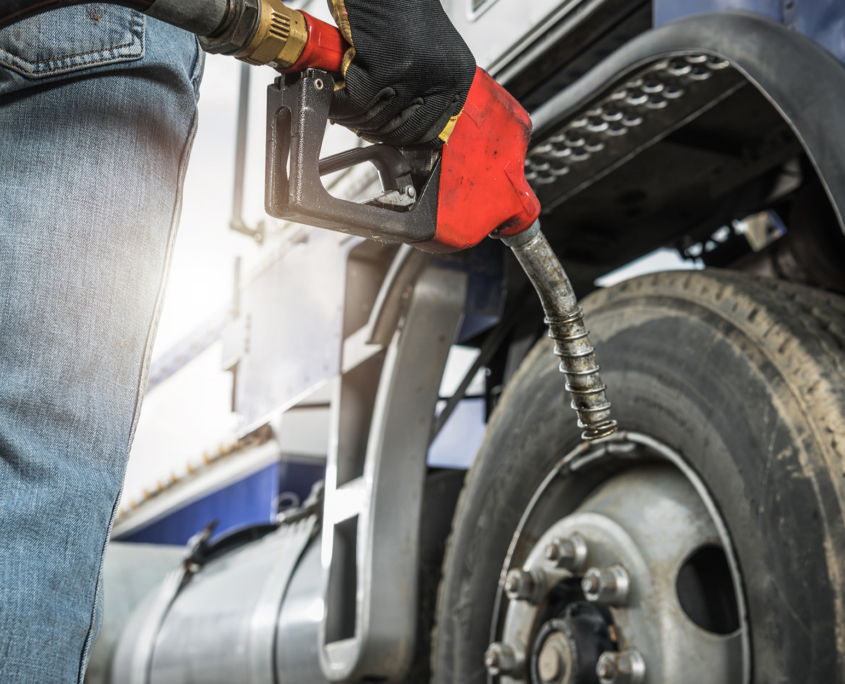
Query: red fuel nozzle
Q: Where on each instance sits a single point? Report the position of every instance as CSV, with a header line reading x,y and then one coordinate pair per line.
x,y
482,183
324,50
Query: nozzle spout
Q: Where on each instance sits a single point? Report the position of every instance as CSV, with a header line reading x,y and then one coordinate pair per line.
x,y
566,326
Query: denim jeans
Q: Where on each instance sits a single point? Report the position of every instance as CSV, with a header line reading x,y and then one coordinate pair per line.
x,y
97,115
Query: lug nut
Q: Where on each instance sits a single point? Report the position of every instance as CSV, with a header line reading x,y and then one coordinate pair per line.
x,y
502,659
625,667
523,585
568,553
607,585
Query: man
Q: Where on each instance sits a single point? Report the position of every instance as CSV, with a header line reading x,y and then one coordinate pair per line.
x,y
97,115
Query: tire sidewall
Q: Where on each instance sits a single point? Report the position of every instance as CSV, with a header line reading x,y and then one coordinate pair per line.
x,y
689,377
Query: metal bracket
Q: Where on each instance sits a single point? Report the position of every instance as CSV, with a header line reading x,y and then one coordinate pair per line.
x,y
237,222
374,482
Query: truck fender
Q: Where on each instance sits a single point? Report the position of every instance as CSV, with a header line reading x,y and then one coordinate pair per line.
x,y
802,80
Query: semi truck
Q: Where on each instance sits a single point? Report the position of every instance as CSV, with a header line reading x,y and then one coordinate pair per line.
x,y
702,542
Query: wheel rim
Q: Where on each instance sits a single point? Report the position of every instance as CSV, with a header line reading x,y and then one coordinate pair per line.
x,y
621,571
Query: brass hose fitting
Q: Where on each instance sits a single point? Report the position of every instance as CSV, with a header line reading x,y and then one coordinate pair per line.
x,y
279,39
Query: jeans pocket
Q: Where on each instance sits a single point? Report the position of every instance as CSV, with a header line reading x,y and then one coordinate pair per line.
x,y
72,39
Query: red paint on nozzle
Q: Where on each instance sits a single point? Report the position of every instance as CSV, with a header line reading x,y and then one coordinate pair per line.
x,y
324,50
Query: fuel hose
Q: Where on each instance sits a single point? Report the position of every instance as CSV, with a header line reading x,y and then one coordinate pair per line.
x,y
255,31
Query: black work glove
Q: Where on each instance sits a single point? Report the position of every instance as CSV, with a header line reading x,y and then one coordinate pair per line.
x,y
407,74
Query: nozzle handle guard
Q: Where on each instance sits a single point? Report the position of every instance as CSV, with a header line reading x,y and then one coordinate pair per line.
x,y
297,114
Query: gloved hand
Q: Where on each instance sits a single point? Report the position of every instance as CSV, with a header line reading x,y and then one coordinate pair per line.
x,y
407,74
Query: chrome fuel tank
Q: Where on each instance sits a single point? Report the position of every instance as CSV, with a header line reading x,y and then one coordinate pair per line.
x,y
220,624
302,612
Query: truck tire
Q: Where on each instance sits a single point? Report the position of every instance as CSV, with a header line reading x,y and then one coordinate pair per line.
x,y
744,379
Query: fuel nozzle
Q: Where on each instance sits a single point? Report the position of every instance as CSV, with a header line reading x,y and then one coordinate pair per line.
x,y
269,32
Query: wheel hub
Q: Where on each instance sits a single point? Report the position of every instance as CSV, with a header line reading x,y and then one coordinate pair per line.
x,y
567,649
555,662
625,584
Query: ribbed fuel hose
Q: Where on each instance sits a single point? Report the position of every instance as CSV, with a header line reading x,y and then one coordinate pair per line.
x,y
566,326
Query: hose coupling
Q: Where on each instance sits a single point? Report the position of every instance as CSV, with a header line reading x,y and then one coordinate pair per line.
x,y
280,37
261,32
